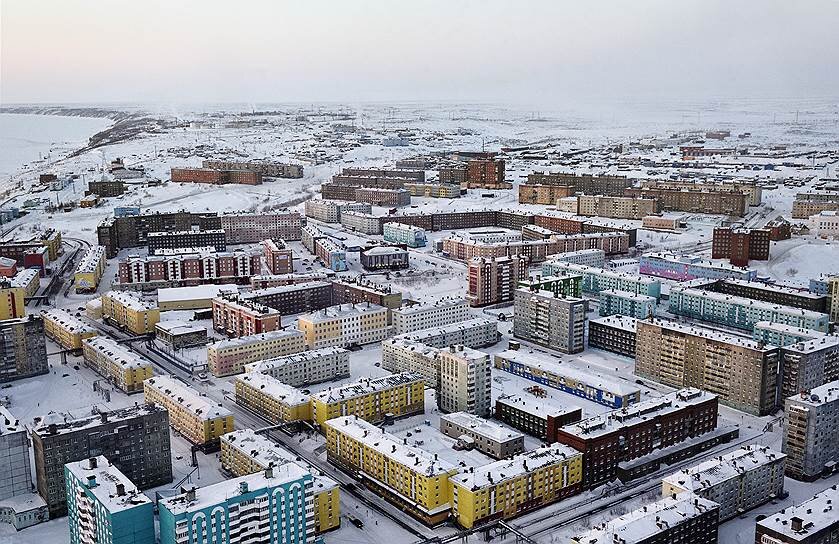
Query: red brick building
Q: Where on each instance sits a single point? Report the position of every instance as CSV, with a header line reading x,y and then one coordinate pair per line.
x,y
486,174
637,430
215,177
492,281
740,245
278,257
236,318
779,229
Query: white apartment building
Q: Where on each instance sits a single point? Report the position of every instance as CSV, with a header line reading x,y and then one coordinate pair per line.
x,y
465,381
344,325
738,481
364,223
825,224
812,431
473,333
308,367
329,211
403,355
425,316
585,257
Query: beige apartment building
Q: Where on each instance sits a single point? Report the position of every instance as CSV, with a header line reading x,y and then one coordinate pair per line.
x,y
344,325
230,356
465,381
617,207
741,371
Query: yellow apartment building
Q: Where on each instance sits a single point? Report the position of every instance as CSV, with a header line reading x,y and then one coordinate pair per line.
x,y
197,418
119,365
272,399
65,329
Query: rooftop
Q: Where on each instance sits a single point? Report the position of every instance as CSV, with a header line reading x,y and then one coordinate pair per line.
x,y
92,258
67,320
775,288
818,396
365,387
116,353
187,397
743,301
66,423
788,329
459,326
692,260
645,522
276,362
440,303
602,272
803,520
628,295
508,469
250,339
633,414
385,250
105,482
554,367
395,449
484,427
274,388
724,467
129,300
179,327
540,407
617,321
342,311
8,422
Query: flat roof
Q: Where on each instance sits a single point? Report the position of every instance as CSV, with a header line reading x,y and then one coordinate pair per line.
x,y
252,339
187,397
743,301
693,260
602,272
815,514
274,388
627,295
818,396
427,307
117,353
392,447
266,365
179,327
555,367
107,477
197,292
365,387
617,321
130,300
342,311
9,423
541,407
66,423
723,468
508,469
774,288
643,523
638,412
483,427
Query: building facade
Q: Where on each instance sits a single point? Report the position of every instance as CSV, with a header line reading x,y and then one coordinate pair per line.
x,y
120,366
345,325
548,320
23,352
228,357
811,430
494,280
371,399
194,416
305,368
465,381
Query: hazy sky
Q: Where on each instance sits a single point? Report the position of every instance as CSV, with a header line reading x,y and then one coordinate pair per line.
x,y
532,52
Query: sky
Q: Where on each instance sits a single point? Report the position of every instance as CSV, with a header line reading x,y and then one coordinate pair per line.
x,y
525,51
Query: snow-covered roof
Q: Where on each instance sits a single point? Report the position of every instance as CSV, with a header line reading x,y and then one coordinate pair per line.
x,y
394,448
813,345
67,321
647,521
638,412
92,258
617,321
342,311
420,335
104,484
788,329
540,407
187,397
365,387
508,469
602,272
256,339
266,365
197,292
176,328
483,427
775,288
719,469
818,396
274,388
437,304
268,291
129,300
65,423
627,295
810,517
385,250
116,353
225,490
8,422
543,363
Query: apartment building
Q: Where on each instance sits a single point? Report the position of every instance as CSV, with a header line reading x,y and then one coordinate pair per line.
x,y
812,431
551,321
626,303
253,227
278,257
833,289
433,190
693,200
364,223
344,325
588,257
782,335
740,245
753,192
115,233
329,211
23,352
107,188
371,399
777,294
534,193
690,267
592,184
636,430
739,312
615,333
330,254
743,373
28,279
465,381
482,434
808,364
115,362
237,316
494,280
658,222
535,414
405,475
384,258
16,470
566,378
269,169
214,238
294,298
807,205
197,418
686,519
214,177
346,291
595,279
271,399
464,249
424,316
569,285
188,267
104,506
263,281
65,329
739,481
508,488
409,235
535,232
246,452
617,207
90,270
402,355
281,497
228,357
473,333
129,312
135,438
306,368
813,521
12,300
486,174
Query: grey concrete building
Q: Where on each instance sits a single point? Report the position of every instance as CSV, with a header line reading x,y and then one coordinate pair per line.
x,y
548,320
486,436
23,352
